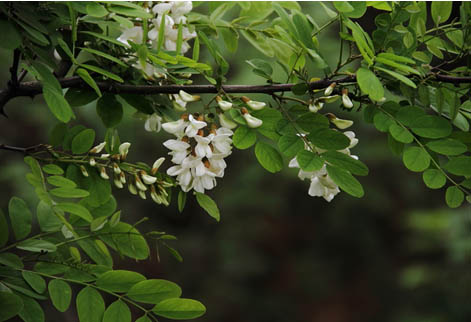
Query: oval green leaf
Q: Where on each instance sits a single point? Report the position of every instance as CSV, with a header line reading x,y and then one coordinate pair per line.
x,y
447,147
119,280
268,157
454,197
370,84
118,311
90,305
244,137
416,159
290,145
431,126
179,309
60,293
10,305
329,139
345,181
434,178
83,141
20,217
154,291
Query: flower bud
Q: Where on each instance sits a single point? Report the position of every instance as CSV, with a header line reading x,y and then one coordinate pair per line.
x,y
156,165
339,123
329,99
122,177
124,149
330,89
142,194
103,173
116,168
316,106
253,104
179,107
132,188
345,99
224,105
154,195
226,122
92,162
117,182
98,148
147,178
139,184
252,121
84,171
188,97
105,155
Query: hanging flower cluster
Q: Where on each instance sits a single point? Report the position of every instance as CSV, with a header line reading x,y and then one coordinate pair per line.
x,y
139,181
174,13
198,152
321,184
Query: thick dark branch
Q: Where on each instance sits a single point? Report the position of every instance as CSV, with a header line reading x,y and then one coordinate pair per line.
x,y
18,149
452,79
14,68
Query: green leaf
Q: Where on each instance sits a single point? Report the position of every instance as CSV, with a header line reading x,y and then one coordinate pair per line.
x,y
144,319
83,141
20,217
97,253
57,104
398,66
3,229
60,293
127,240
345,162
370,84
394,57
90,305
76,209
119,280
231,37
345,181
268,157
309,161
60,181
400,133
416,159
431,126
447,146
398,76
310,122
118,311
181,200
244,137
83,73
208,204
48,221
10,260
34,35
290,145
57,135
179,309
103,72
454,197
261,64
96,10
109,110
408,114
37,245
304,30
10,38
32,311
460,166
343,6
329,139
104,37
69,192
300,89
78,97
10,305
441,11
154,291
434,178
34,280
130,12
53,169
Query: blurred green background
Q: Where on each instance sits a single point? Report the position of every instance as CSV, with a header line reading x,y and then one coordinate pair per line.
x,y
398,254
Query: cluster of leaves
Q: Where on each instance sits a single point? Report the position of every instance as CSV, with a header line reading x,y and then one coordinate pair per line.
x,y
77,231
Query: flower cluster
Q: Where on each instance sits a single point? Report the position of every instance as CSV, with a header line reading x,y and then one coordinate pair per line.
x,y
174,13
138,181
321,184
198,152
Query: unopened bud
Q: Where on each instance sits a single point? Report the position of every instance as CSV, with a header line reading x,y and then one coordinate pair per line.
x,y
156,165
132,188
98,148
142,194
139,184
253,104
252,121
330,89
226,122
147,178
188,97
116,168
339,123
345,99
124,149
84,171
117,182
122,177
224,105
103,173
316,106
92,162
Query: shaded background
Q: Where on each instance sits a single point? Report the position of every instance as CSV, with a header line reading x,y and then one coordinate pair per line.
x,y
398,254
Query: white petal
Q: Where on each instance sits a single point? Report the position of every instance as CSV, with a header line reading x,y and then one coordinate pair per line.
x,y
316,189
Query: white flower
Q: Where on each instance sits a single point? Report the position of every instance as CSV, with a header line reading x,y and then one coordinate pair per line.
x,y
147,178
176,128
353,140
124,149
188,97
225,122
97,149
135,34
339,123
204,179
180,8
345,99
224,105
179,150
157,164
103,173
153,123
179,104
161,8
330,89
148,70
253,104
316,106
193,126
203,148
252,121
222,141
